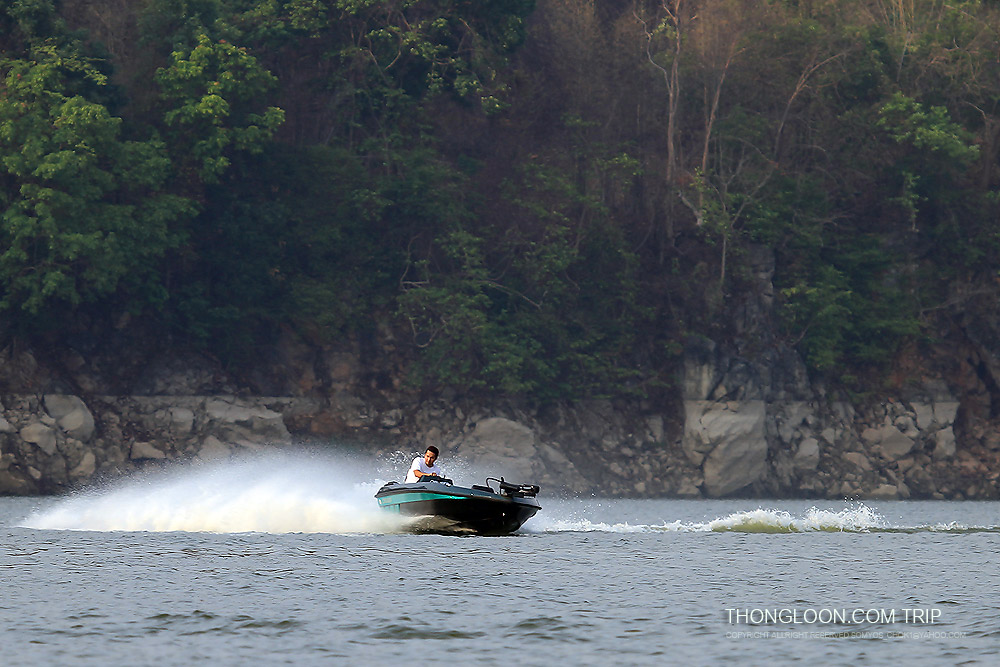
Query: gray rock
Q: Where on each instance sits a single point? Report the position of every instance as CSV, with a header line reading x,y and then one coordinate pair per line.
x,y
145,450
895,444
391,418
795,414
735,433
858,460
655,426
807,456
41,435
907,426
924,413
60,405
5,426
212,449
14,482
85,469
884,492
181,420
944,446
688,489
500,446
350,409
227,411
78,424
696,443
945,411
249,421
845,411
71,414
871,435
554,457
891,442
848,489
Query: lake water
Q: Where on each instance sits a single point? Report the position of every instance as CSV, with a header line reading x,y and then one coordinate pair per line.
x,y
288,561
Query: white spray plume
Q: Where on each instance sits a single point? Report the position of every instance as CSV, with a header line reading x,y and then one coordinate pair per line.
x,y
272,493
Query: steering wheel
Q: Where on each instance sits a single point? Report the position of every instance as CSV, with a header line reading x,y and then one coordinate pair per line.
x,y
435,478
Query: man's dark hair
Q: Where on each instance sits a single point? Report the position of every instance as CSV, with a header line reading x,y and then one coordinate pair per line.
x,y
434,450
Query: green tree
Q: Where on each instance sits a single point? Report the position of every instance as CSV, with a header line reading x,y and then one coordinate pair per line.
x,y
546,304
211,92
84,213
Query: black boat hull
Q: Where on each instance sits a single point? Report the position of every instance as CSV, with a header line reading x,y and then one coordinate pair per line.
x,y
443,508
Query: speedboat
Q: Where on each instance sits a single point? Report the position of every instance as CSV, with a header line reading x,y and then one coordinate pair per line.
x,y
438,506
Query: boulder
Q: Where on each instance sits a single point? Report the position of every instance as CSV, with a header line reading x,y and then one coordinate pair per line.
x,y
687,489
391,418
884,492
41,435
60,405
78,424
907,426
212,449
945,411
795,414
944,446
71,414
145,450
14,482
696,443
807,456
892,443
847,489
181,420
501,447
236,421
858,460
350,410
85,468
924,413
654,425
734,431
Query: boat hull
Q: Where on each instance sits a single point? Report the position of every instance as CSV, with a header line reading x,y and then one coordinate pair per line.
x,y
442,508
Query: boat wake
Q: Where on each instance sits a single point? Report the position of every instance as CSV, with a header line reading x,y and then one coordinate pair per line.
x,y
857,519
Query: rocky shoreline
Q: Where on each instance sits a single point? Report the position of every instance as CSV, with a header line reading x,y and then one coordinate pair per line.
x,y
733,437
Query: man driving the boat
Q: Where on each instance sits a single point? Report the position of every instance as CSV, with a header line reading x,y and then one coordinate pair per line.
x,y
423,466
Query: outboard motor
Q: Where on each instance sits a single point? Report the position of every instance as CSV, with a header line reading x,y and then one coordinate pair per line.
x,y
519,490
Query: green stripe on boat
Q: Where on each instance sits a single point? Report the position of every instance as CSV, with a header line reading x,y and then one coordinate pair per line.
x,y
415,497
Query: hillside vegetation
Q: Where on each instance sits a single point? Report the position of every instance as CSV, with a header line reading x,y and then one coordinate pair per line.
x,y
541,198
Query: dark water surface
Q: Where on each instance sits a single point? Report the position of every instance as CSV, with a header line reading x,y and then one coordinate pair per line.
x,y
162,572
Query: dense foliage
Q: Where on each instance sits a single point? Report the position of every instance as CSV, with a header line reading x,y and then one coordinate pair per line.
x,y
546,197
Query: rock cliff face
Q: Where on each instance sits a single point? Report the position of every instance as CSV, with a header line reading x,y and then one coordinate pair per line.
x,y
743,419
725,442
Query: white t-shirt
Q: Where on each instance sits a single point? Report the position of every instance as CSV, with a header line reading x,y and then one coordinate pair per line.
x,y
421,465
